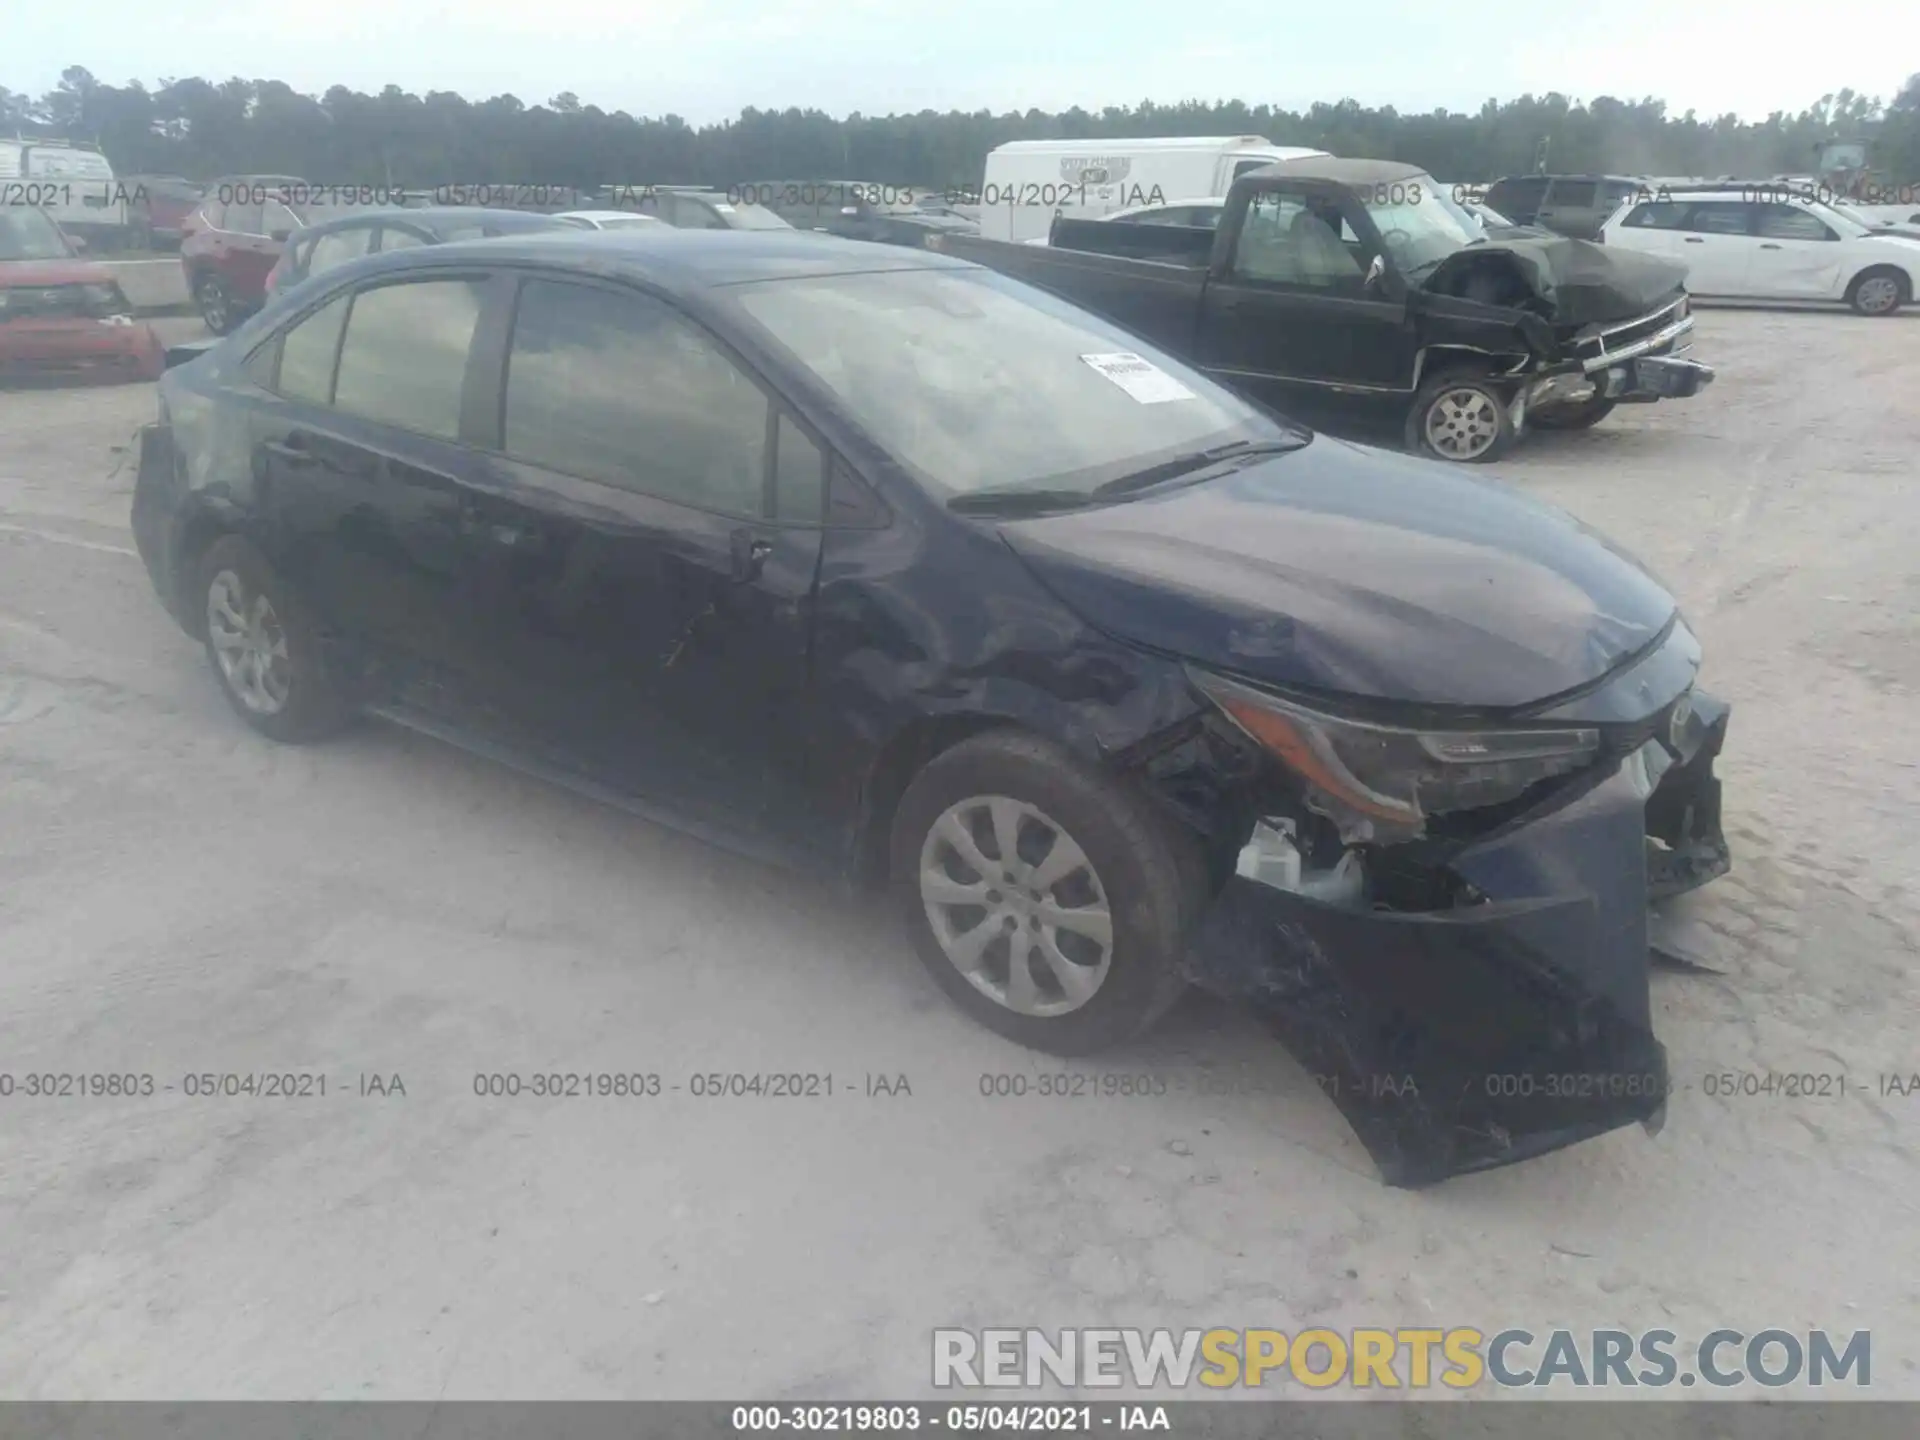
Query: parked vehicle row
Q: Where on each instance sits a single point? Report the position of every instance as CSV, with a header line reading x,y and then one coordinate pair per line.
x,y
884,564
1362,278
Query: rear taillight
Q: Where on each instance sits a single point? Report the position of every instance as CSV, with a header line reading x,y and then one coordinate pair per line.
x,y
277,276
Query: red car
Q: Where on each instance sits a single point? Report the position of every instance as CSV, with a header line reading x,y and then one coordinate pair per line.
x,y
60,314
233,240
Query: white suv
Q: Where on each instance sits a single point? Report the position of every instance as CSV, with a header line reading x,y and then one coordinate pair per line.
x,y
1769,242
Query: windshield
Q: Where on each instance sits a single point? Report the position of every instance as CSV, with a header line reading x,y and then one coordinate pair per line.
x,y
1848,215
1419,223
750,217
626,222
27,234
975,382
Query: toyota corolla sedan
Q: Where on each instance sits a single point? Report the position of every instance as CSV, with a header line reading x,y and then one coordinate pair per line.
x,y
874,561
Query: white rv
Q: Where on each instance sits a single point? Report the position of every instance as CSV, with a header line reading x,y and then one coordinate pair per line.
x,y
1028,182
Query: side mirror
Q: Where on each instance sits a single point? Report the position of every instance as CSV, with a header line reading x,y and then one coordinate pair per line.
x,y
1377,272
852,212
279,235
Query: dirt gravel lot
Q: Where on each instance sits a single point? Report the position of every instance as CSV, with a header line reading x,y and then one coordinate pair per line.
x,y
178,896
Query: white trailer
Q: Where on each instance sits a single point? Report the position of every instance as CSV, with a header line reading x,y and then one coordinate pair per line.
x,y
1028,182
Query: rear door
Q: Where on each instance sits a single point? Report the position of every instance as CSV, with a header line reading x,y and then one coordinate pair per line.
x,y
644,553
1796,254
1717,246
358,458
1292,306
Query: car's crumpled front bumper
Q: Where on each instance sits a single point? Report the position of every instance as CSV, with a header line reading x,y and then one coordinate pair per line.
x,y
1464,1039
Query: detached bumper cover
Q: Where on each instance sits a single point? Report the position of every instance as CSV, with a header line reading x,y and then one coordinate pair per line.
x,y
1460,1040
1654,377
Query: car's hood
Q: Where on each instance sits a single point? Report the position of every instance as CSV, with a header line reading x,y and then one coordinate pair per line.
x,y
25,274
1344,569
1579,282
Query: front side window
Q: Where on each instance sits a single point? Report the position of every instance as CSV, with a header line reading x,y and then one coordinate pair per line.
x,y
618,388
799,474
1293,239
307,353
404,359
1573,194
972,381
28,234
1790,222
394,238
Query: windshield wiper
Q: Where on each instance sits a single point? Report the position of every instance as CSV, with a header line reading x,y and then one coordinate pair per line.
x,y
1018,502
1196,460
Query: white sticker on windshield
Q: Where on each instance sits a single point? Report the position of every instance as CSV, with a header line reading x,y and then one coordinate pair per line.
x,y
1143,380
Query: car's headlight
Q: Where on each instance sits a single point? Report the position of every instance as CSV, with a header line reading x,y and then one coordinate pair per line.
x,y
1383,781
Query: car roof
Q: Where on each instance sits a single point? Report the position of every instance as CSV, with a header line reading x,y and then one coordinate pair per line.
x,y
1341,171
430,217
670,258
605,215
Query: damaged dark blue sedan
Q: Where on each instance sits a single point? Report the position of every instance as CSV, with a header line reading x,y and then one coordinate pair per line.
x,y
878,561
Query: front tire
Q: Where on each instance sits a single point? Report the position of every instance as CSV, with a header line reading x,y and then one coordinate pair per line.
x,y
1461,416
1048,901
1880,291
263,646
218,308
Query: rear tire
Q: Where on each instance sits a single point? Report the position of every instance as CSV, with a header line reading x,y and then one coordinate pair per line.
x,y
1461,416
218,308
1879,291
1584,416
1067,950
263,646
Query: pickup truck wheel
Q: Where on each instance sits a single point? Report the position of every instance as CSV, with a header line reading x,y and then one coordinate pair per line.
x,y
1583,416
1461,415
1880,291
216,304
1048,901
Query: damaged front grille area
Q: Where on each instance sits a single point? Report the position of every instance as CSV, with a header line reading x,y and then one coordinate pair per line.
x,y
1656,332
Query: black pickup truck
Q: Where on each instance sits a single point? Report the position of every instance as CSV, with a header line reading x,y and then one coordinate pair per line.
x,y
1363,278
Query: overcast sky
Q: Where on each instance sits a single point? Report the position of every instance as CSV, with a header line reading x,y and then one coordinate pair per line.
x,y
707,59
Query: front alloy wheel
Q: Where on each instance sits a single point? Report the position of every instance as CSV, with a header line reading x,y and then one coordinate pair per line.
x,y
1462,423
216,305
1049,900
1016,906
249,645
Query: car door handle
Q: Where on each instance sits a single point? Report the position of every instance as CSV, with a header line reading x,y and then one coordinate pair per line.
x,y
750,554
1695,240
290,453
1770,246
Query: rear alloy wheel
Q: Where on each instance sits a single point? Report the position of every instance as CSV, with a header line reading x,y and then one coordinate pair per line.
x,y
263,648
1582,416
1878,292
216,304
1463,417
1047,900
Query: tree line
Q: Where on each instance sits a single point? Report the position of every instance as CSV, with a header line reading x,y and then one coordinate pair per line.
x,y
201,129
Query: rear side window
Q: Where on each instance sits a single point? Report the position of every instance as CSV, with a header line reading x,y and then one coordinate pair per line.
x,y
1656,215
404,360
1718,217
336,247
619,389
395,239
1790,222
213,215
1518,198
1574,194
307,352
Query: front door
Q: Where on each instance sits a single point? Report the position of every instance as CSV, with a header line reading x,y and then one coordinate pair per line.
x,y
643,557
1717,248
1291,307
1796,254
